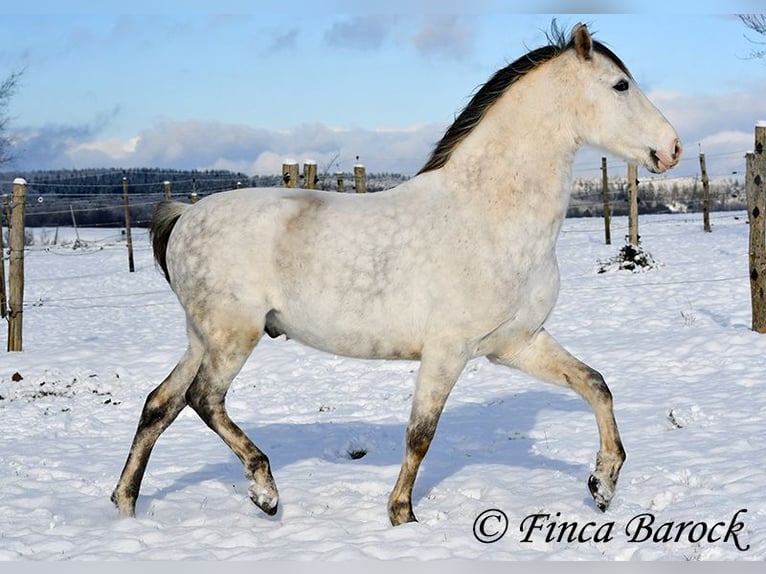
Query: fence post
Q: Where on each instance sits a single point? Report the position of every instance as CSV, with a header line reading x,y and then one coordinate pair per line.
x,y
77,242
289,173
128,236
756,215
310,179
360,178
3,300
168,190
340,182
705,195
16,266
6,209
193,195
605,193
633,236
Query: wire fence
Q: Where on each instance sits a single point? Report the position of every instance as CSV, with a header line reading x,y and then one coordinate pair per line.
x,y
656,227
46,205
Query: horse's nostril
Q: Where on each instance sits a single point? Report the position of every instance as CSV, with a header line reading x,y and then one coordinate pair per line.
x,y
677,149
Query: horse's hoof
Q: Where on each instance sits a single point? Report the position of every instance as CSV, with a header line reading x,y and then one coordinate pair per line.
x,y
601,492
126,509
401,514
266,499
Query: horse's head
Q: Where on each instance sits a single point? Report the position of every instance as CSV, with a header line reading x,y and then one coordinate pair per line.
x,y
613,113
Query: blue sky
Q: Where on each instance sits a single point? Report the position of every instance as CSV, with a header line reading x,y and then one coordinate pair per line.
x,y
243,85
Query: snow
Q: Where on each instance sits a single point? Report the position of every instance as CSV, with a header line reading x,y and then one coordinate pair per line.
x,y
674,343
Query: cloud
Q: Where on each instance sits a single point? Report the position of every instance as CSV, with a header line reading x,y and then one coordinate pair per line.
x,y
216,145
720,125
47,145
283,41
446,36
367,32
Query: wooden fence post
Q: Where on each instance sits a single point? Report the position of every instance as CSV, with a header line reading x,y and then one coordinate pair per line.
x,y
289,173
755,189
128,236
705,195
310,179
360,178
77,242
633,236
193,195
16,266
607,213
340,182
168,190
3,300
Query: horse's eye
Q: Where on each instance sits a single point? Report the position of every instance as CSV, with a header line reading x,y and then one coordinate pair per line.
x,y
622,86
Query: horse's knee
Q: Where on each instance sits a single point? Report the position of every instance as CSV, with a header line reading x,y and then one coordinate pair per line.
x,y
420,433
591,385
599,386
160,405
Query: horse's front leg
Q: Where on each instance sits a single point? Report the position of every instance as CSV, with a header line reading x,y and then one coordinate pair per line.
x,y
440,368
545,359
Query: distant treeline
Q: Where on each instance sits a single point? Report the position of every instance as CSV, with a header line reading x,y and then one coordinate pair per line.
x,y
94,197
678,195
141,180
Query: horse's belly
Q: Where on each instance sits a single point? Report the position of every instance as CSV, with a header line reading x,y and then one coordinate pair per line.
x,y
345,335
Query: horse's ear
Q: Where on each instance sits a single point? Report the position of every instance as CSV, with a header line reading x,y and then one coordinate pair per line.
x,y
582,42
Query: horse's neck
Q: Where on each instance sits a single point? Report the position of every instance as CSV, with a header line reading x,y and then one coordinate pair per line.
x,y
518,170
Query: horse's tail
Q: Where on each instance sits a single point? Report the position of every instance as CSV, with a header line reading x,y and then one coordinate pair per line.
x,y
165,216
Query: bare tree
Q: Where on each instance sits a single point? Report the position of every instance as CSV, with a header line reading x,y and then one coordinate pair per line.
x,y
756,23
7,89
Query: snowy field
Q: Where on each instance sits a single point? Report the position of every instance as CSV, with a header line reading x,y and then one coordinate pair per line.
x,y
674,343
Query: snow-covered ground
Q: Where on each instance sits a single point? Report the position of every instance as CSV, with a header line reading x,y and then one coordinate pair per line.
x,y
674,343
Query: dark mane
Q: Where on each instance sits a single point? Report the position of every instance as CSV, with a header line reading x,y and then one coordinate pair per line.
x,y
490,92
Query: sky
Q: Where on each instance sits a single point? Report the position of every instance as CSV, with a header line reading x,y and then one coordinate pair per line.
x,y
245,85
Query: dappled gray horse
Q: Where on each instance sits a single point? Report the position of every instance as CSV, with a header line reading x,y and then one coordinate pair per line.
x,y
456,263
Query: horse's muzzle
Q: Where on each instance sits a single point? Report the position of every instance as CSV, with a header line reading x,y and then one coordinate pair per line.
x,y
664,160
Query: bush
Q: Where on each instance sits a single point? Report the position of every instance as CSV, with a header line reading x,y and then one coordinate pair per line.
x,y
630,258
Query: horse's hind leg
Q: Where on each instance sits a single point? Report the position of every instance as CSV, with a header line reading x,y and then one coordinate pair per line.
x,y
161,408
207,394
545,359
